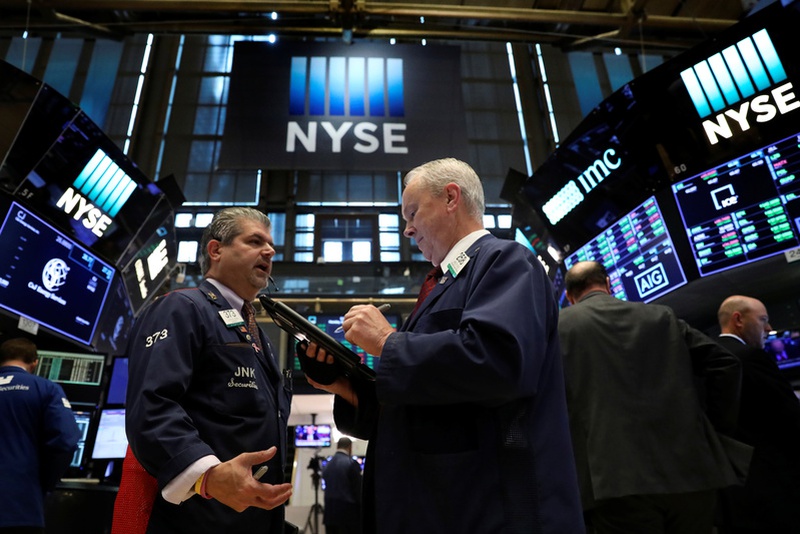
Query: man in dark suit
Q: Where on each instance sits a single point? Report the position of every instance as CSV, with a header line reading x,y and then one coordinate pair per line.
x,y
342,476
648,456
467,418
769,419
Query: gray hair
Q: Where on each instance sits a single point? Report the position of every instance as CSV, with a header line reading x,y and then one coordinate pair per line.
x,y
436,174
224,227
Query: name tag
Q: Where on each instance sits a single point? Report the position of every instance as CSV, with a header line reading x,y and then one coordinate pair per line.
x,y
455,267
232,318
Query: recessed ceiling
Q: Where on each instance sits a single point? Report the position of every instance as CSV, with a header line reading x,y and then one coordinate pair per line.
x,y
568,24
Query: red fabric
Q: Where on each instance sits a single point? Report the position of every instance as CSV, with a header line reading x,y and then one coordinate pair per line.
x,y
427,286
137,493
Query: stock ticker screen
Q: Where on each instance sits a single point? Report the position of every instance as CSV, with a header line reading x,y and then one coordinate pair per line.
x,y
744,210
638,253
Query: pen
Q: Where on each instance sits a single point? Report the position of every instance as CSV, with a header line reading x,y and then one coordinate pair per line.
x,y
381,308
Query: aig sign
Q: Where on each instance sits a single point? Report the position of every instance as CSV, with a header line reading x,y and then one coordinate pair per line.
x,y
745,82
363,106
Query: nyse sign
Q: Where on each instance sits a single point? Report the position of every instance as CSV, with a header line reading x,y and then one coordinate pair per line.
x,y
344,107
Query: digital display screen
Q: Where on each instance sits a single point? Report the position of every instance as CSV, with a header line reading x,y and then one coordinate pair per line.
x,y
70,367
110,441
744,210
48,278
785,348
312,436
638,253
329,323
89,188
118,381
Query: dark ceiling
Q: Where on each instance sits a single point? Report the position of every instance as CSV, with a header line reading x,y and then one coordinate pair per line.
x,y
568,24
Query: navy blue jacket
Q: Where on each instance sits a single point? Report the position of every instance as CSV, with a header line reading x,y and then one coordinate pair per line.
x,y
342,477
467,419
197,387
37,442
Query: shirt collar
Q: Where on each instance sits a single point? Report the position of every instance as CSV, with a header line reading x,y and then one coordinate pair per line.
x,y
228,294
734,336
462,246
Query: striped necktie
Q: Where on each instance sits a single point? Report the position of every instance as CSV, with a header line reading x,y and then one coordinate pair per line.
x,y
249,314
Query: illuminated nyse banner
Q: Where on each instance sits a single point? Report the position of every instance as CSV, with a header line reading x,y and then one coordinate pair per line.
x,y
743,210
638,254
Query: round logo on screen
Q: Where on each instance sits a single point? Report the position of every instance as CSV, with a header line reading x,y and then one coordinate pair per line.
x,y
54,274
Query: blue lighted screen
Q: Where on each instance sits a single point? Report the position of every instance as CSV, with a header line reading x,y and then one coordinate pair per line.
x,y
638,253
744,210
48,278
329,323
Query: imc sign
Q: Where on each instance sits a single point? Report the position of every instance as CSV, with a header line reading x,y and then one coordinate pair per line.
x,y
723,88
344,107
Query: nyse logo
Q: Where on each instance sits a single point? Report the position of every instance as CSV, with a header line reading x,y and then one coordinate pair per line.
x,y
101,189
362,97
730,78
651,280
724,197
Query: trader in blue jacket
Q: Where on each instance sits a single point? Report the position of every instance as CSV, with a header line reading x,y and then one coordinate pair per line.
x,y
467,419
37,441
207,404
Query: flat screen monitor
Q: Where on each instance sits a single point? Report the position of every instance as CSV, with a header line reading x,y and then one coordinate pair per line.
x,y
744,210
638,253
83,419
71,367
330,322
784,347
110,441
118,381
49,279
315,436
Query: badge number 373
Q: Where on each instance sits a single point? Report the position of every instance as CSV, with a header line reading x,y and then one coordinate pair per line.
x,y
158,336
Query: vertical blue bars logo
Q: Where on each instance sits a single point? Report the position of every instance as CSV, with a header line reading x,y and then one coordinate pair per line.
x,y
104,183
734,74
346,86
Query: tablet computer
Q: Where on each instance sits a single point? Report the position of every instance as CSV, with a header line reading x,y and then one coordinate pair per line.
x,y
303,330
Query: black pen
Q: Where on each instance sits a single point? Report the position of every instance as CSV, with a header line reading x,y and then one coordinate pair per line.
x,y
381,308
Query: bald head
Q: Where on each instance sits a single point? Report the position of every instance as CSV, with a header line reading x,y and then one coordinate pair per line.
x,y
745,317
583,277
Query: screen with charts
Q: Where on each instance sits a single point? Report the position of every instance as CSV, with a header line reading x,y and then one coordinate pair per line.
x,y
745,210
48,278
71,367
329,323
110,441
638,253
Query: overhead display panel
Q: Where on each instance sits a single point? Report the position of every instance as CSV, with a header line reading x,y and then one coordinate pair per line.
x,y
89,188
638,253
744,210
712,133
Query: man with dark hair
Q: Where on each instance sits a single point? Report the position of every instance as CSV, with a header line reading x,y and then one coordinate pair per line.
x,y
769,419
206,401
648,456
342,476
37,440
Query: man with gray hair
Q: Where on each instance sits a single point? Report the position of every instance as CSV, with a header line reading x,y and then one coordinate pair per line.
x,y
467,419
207,404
